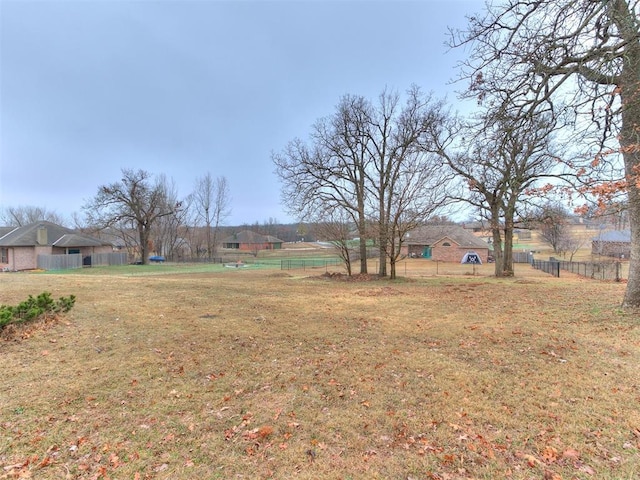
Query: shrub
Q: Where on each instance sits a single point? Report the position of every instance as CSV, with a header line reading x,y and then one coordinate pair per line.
x,y
35,307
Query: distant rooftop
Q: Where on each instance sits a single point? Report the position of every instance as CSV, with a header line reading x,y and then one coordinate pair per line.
x,y
622,236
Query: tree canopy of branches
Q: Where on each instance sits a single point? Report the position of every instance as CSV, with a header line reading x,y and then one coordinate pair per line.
x,y
211,202
330,173
579,57
552,221
169,230
372,161
336,225
504,159
24,215
136,202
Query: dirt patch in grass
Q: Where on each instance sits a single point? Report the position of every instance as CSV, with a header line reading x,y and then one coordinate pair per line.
x,y
280,275
253,375
17,332
379,292
343,277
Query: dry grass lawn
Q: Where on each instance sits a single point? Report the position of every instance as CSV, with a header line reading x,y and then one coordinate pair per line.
x,y
264,374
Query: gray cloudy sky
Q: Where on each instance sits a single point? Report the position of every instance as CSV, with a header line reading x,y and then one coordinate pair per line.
x,y
182,88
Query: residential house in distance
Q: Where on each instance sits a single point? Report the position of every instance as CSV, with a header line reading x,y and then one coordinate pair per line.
x,y
20,246
446,243
614,243
249,241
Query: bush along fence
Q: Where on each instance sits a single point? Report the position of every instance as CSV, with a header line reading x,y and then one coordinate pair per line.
x,y
611,271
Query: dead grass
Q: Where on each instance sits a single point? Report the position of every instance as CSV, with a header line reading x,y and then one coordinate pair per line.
x,y
262,374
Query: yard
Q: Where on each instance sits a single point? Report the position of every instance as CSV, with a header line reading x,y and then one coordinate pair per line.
x,y
167,372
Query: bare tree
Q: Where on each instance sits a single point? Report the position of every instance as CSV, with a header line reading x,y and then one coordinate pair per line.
x,y
370,160
336,227
331,172
169,230
570,244
203,197
211,200
222,208
24,215
270,227
506,158
405,172
581,57
552,221
418,190
136,202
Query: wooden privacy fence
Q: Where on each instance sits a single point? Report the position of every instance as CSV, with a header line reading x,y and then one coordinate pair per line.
x,y
111,258
59,262
522,257
77,260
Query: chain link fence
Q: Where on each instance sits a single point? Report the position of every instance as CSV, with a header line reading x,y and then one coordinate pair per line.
x,y
611,271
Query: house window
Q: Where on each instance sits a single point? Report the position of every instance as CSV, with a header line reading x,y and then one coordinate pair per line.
x,y
4,255
446,244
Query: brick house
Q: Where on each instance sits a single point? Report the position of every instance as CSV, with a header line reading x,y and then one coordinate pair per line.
x,y
20,246
445,243
249,241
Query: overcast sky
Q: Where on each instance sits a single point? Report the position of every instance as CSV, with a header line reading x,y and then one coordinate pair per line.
x,y
183,88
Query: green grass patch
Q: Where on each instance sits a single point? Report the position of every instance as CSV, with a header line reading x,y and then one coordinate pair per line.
x,y
250,263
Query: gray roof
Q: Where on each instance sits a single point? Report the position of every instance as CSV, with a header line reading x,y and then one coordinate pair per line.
x,y
57,235
76,240
432,234
621,236
247,236
5,230
272,239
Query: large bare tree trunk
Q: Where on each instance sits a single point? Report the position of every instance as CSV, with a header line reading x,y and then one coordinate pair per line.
x,y
538,51
382,245
144,235
498,253
363,244
507,265
632,293
630,144
509,214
